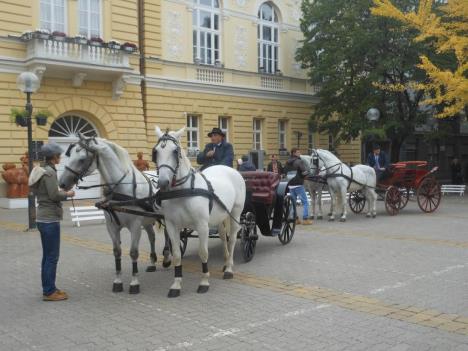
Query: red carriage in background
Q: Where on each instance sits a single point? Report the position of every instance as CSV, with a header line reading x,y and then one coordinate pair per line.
x,y
404,180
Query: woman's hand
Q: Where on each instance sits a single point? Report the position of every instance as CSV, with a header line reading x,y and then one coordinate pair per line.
x,y
70,193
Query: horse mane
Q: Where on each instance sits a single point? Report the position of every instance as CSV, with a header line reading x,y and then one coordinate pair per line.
x,y
328,155
120,152
306,159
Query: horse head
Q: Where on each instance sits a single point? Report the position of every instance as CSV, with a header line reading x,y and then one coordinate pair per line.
x,y
167,154
82,161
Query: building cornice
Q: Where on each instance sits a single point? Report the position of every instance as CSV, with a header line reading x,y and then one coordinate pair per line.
x,y
159,82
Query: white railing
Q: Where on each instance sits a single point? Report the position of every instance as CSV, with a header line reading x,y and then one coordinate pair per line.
x,y
74,52
274,83
209,75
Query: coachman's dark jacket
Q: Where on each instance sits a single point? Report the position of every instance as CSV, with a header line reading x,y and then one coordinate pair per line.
x,y
224,155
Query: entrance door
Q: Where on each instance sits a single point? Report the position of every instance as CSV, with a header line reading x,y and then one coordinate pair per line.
x,y
64,131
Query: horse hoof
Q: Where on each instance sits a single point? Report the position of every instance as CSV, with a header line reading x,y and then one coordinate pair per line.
x,y
342,219
151,269
373,216
228,275
319,217
203,289
173,293
224,268
117,287
166,264
368,215
331,219
329,214
134,289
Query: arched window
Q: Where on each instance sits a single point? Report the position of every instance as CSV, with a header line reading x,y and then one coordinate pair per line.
x,y
268,38
90,18
69,126
206,32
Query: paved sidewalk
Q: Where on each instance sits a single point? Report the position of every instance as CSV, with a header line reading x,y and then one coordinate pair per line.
x,y
393,283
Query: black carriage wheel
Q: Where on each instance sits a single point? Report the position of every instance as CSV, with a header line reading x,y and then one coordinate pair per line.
x,y
429,195
392,200
405,195
249,237
357,201
289,221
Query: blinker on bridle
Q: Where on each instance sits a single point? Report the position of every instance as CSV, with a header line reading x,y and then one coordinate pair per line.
x,y
85,145
177,154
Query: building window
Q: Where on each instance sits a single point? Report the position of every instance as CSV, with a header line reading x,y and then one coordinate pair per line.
x,y
282,130
331,143
193,133
268,39
90,18
257,134
52,15
223,124
310,141
206,32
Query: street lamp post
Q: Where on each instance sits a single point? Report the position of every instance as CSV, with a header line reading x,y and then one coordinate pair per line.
x,y
28,83
373,115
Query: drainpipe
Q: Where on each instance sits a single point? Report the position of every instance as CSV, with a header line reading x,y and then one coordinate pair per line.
x,y
141,45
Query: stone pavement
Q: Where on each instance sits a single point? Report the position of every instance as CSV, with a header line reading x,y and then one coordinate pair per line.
x,y
393,283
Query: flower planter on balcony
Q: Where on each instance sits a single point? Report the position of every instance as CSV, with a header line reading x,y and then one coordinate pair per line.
x,y
44,36
80,40
129,47
95,43
114,46
59,36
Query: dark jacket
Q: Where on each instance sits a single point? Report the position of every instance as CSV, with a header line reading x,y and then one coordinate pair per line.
x,y
44,183
247,166
224,155
280,167
296,164
383,160
457,177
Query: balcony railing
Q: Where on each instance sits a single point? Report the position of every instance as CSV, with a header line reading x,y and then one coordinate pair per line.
x,y
77,53
210,75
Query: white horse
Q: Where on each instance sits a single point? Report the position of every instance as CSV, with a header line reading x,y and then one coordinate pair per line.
x,y
122,182
341,178
315,190
212,198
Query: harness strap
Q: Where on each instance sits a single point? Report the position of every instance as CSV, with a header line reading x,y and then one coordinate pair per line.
x,y
210,189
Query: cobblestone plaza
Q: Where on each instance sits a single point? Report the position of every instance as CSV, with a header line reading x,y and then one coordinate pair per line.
x,y
393,283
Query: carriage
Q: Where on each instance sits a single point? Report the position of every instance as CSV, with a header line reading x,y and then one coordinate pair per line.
x,y
268,207
404,179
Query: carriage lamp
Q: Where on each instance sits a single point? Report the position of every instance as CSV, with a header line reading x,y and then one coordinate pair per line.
x,y
28,82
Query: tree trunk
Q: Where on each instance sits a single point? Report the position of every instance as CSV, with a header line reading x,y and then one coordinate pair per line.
x,y
395,150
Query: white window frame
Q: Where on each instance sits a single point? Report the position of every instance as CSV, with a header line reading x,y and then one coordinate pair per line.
x,y
310,140
193,144
225,128
282,134
198,32
88,11
257,134
53,22
266,48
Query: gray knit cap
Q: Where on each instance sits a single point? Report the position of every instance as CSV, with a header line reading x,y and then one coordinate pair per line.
x,y
51,149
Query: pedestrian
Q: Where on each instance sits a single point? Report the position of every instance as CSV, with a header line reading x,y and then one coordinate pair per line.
x,y
218,152
247,165
456,169
296,184
43,181
275,166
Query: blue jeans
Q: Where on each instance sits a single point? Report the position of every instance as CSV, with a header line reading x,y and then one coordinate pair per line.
x,y
300,192
50,238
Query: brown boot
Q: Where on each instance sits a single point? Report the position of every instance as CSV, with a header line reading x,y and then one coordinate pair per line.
x,y
306,222
298,221
55,296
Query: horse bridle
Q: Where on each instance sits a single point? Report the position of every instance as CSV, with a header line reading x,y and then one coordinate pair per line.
x,y
316,162
84,143
177,154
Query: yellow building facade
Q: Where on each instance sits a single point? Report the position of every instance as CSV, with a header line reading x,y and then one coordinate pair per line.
x,y
201,63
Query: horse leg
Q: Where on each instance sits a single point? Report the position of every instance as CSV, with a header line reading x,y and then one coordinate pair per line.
x,y
374,203
342,193
135,231
203,232
167,249
174,235
319,202
234,228
114,233
331,215
369,200
313,197
153,258
223,235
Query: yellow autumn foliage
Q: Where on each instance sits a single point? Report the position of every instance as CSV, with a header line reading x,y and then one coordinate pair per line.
x,y
449,33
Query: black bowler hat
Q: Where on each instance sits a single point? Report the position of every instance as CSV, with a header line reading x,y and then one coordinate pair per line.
x,y
216,131
376,147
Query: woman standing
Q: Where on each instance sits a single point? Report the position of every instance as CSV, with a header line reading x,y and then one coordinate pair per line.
x,y
43,181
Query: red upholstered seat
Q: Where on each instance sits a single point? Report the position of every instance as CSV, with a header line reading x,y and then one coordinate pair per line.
x,y
262,185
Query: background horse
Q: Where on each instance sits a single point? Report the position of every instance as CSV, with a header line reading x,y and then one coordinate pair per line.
x,y
212,198
122,181
315,190
341,178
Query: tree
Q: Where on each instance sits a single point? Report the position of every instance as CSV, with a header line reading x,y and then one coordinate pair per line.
x,y
446,28
350,54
